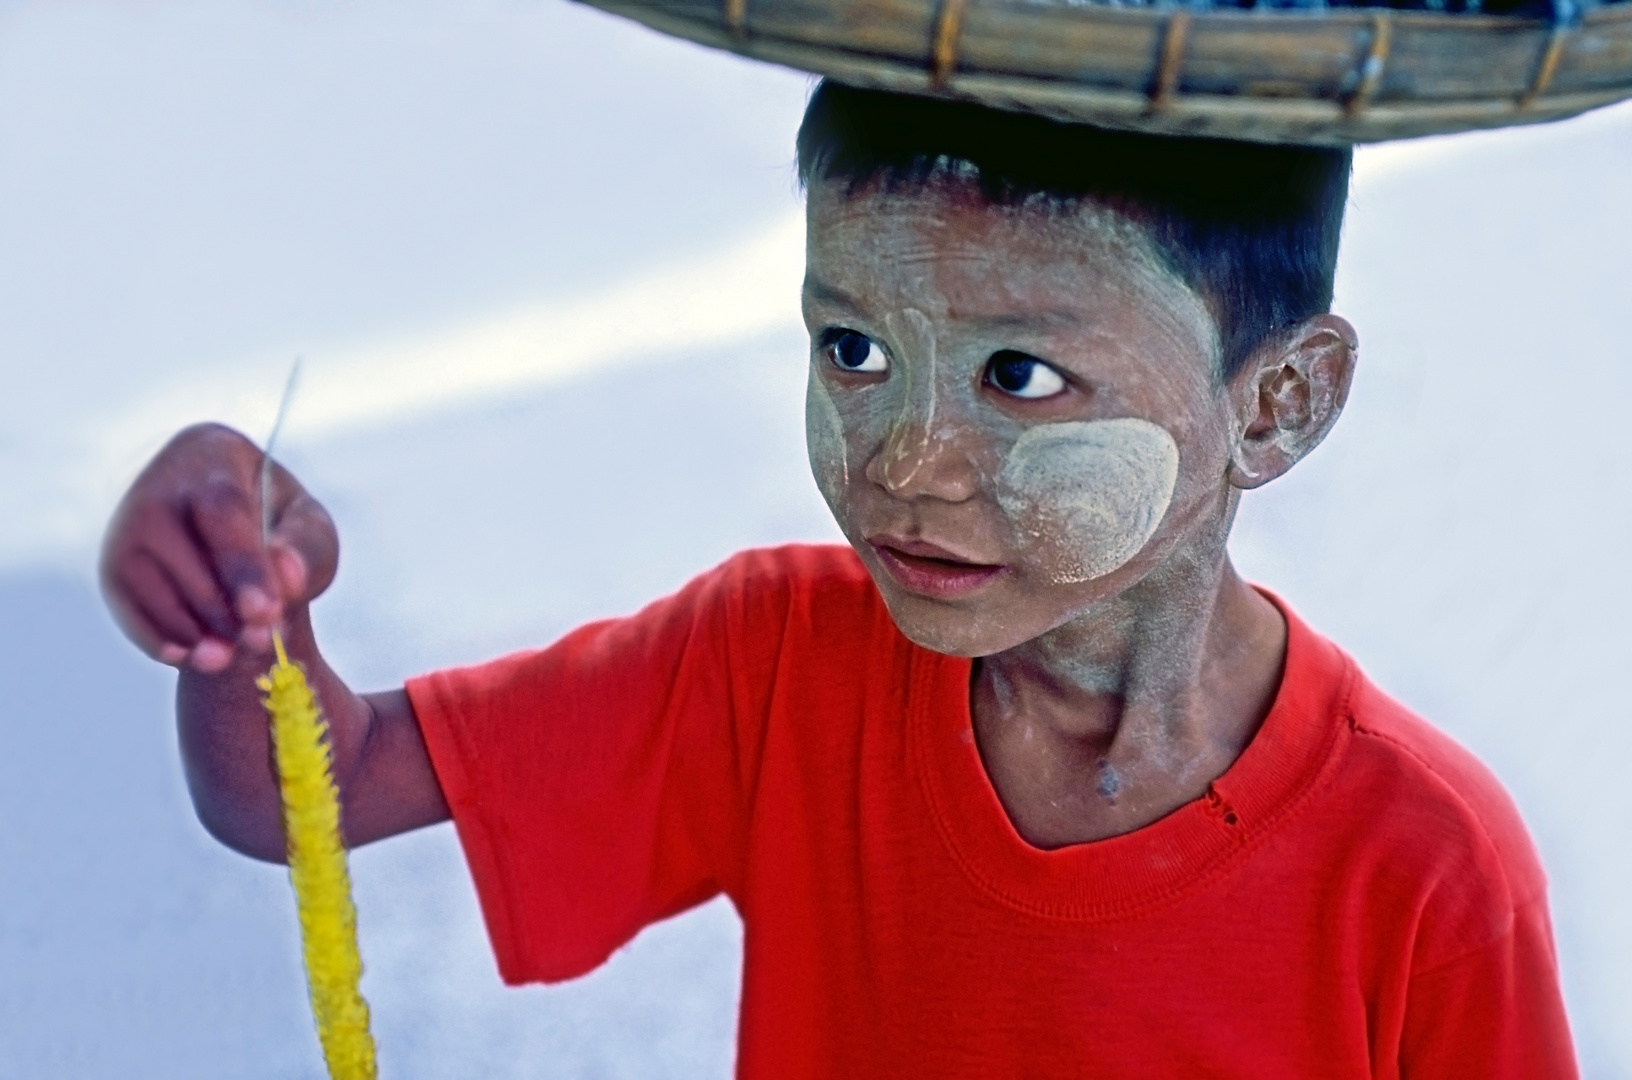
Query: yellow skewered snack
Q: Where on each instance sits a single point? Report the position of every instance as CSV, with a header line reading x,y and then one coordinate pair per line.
x,y
317,868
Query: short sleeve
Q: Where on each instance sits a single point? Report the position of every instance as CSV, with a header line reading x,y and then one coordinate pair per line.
x,y
1495,1012
597,785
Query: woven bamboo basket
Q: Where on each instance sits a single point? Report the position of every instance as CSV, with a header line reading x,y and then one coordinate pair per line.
x,y
1322,75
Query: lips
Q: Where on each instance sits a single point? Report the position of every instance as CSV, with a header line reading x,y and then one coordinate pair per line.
x,y
931,570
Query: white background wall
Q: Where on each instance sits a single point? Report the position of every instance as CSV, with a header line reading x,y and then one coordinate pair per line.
x,y
542,265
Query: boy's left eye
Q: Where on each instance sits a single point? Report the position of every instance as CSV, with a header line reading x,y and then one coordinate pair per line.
x,y
1022,376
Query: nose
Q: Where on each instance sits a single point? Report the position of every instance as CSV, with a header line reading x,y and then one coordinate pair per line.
x,y
923,460
920,456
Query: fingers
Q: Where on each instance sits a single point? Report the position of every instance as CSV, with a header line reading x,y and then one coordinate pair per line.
x,y
186,568
166,600
153,613
227,521
174,553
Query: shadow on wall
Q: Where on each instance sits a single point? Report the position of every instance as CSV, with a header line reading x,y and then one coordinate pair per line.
x,y
133,944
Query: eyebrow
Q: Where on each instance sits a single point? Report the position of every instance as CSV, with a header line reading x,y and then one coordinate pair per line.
x,y
817,289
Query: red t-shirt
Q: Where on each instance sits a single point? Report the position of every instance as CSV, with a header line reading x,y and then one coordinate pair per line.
x,y
1355,897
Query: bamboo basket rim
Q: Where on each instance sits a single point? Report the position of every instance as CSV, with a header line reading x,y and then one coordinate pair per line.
x,y
1540,69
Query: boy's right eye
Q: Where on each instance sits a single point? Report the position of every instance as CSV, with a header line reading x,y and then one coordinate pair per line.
x,y
852,351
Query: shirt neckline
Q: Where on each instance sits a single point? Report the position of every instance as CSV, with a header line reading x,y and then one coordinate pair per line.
x,y
1125,875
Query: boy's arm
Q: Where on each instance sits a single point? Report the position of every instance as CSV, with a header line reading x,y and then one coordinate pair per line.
x,y
188,577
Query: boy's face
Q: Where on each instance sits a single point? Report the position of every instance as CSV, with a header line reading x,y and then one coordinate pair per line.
x,y
1014,412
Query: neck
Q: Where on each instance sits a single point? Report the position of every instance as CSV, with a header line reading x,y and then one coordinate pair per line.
x,y
1127,712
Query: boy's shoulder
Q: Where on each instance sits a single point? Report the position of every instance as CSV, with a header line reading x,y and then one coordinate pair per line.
x,y
1430,829
1453,793
1436,762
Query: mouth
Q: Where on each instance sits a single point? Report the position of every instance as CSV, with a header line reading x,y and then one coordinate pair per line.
x,y
930,570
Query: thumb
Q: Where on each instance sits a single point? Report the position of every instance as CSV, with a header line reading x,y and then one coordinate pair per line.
x,y
304,550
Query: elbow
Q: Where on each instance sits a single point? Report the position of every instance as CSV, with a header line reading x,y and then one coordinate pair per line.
x,y
247,834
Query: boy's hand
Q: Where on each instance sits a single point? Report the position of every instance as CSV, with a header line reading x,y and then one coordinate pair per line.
x,y
184,567
187,573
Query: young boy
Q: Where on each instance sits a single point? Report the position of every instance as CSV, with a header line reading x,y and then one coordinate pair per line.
x,y
1026,782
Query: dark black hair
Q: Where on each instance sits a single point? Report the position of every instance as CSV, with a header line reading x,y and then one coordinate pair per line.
x,y
1253,228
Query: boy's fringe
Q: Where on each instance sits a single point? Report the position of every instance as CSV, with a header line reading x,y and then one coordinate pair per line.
x,y
317,868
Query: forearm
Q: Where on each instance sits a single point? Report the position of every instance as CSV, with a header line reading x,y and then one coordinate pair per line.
x,y
226,742
381,766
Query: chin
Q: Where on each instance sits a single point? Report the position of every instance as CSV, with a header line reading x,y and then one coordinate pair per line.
x,y
944,628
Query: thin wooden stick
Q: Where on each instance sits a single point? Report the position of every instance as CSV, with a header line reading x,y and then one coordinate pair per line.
x,y
1162,87
736,18
1547,67
1371,68
944,50
289,387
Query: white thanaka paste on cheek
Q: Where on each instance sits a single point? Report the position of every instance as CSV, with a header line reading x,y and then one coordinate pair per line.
x,y
824,441
1092,492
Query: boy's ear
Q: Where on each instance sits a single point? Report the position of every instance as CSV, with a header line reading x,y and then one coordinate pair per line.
x,y
1288,395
